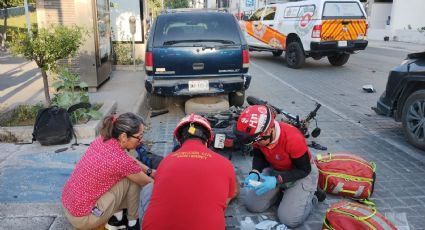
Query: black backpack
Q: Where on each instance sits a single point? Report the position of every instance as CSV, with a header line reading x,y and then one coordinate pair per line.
x,y
53,125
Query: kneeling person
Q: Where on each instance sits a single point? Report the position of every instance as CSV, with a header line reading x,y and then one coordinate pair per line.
x,y
193,185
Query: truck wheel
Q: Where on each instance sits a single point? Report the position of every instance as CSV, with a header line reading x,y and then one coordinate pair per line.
x,y
277,53
206,105
156,102
413,119
338,59
237,98
294,55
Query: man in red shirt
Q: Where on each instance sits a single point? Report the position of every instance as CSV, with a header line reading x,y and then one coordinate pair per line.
x,y
193,185
282,162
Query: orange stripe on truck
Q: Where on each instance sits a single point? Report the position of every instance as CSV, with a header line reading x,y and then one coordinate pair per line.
x,y
266,34
335,30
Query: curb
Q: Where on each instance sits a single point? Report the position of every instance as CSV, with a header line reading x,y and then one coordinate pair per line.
x,y
142,106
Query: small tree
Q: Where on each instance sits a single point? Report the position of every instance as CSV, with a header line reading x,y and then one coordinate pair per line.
x,y
46,46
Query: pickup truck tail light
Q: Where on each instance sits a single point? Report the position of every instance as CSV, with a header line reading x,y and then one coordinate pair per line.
x,y
245,58
148,61
317,29
367,27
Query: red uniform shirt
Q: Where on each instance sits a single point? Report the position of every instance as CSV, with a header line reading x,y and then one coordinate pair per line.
x,y
103,165
291,144
190,190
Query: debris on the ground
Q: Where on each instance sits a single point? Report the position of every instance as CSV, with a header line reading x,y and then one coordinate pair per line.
x,y
158,112
368,88
247,224
266,225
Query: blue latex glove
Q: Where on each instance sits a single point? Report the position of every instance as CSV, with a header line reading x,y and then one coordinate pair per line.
x,y
251,176
269,183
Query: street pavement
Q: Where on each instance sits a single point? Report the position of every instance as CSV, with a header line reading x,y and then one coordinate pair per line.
x,y
32,176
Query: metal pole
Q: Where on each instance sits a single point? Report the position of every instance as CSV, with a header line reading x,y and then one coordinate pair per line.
x,y
27,17
134,52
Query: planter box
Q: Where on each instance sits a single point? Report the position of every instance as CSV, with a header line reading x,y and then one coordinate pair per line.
x,y
83,131
138,68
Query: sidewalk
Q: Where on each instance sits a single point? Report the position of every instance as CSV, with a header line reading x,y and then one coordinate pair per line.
x,y
394,45
32,176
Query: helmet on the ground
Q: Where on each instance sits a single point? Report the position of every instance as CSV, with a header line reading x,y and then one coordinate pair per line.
x,y
253,121
191,124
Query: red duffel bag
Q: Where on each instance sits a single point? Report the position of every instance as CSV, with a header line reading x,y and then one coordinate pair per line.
x,y
346,174
345,215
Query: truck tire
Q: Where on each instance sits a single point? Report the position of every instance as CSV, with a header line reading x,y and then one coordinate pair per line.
x,y
277,53
294,55
206,105
237,98
156,102
413,119
338,59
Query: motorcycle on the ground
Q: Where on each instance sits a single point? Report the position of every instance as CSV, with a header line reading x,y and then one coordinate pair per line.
x,y
223,124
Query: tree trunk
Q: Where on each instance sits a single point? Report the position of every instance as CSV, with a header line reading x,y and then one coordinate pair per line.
x,y
3,40
46,88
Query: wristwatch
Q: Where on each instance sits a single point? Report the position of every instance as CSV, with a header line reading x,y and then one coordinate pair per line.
x,y
149,171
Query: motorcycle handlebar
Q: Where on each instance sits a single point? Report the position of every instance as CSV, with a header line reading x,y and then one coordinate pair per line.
x,y
256,101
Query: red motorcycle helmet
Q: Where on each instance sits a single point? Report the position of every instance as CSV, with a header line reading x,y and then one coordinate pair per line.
x,y
253,121
193,120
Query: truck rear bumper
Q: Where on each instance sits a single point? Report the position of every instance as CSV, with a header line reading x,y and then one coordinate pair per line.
x,y
179,85
332,47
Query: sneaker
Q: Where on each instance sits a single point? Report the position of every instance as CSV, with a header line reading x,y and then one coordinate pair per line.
x,y
320,194
135,227
115,224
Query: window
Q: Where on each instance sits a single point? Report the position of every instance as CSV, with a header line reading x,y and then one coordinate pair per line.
x,y
306,9
256,16
291,12
199,27
342,10
269,13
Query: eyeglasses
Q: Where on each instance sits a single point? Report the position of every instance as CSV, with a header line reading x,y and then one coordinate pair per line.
x,y
138,138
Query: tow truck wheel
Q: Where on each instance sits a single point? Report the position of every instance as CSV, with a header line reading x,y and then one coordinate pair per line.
x,y
338,59
156,102
277,53
413,119
294,55
237,98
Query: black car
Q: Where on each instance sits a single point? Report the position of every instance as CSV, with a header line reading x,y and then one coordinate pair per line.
x,y
196,53
404,98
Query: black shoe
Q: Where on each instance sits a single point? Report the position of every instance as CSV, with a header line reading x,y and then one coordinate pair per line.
x,y
135,227
320,194
115,224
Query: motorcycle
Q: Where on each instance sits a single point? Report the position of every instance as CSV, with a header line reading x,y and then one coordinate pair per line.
x,y
223,124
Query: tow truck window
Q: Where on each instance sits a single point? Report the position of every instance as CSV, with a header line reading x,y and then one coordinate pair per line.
x,y
256,16
291,12
306,9
342,10
269,13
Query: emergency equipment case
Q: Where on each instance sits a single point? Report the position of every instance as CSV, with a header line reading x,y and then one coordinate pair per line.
x,y
346,174
345,215
311,28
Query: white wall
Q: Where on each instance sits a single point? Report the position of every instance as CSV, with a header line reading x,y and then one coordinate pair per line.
x,y
379,14
407,12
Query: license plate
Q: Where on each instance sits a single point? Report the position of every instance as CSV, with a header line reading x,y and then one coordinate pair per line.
x,y
219,141
342,43
202,85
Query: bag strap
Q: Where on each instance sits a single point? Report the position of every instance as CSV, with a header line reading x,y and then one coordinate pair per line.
x,y
37,119
81,105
